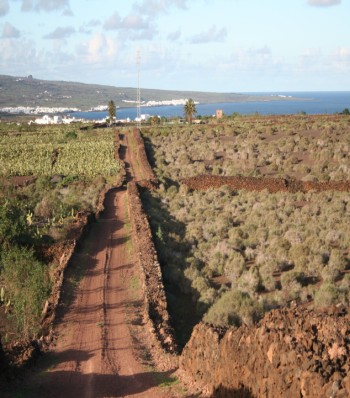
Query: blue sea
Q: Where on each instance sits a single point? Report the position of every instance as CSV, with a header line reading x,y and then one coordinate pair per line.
x,y
311,103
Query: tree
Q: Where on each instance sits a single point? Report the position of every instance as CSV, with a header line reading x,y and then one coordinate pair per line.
x,y
112,111
155,120
190,110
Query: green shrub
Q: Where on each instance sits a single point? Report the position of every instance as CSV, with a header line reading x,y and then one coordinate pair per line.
x,y
326,295
13,224
234,308
71,135
27,285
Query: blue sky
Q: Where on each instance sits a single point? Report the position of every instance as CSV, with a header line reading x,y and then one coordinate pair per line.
x,y
206,45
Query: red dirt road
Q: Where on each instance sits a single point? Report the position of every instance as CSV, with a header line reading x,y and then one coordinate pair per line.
x,y
94,354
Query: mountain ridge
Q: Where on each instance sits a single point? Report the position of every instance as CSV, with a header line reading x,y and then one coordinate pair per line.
x,y
16,91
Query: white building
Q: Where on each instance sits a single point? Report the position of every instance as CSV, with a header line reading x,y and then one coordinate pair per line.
x,y
46,119
142,118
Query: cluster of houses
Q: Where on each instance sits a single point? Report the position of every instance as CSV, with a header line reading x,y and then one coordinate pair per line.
x,y
46,119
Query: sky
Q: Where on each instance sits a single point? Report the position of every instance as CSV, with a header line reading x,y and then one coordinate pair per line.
x,y
203,45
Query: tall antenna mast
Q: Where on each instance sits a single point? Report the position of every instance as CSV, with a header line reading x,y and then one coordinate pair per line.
x,y
138,100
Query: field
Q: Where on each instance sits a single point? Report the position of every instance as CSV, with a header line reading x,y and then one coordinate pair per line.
x,y
305,147
49,177
56,150
272,238
237,254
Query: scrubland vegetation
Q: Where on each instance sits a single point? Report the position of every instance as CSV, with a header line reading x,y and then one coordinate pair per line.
x,y
49,176
304,147
239,254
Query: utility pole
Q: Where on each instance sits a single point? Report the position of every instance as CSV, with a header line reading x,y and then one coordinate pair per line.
x,y
138,99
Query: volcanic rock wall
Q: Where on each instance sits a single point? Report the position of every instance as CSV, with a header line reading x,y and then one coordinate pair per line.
x,y
156,313
141,156
290,353
204,182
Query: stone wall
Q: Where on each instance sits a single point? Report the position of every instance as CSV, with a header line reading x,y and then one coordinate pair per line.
x,y
290,353
156,313
141,156
204,182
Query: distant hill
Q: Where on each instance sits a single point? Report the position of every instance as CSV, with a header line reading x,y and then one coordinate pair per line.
x,y
28,91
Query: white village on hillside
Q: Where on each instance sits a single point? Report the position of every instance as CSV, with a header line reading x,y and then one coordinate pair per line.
x,y
47,112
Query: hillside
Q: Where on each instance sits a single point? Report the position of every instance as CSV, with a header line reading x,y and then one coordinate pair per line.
x,y
28,91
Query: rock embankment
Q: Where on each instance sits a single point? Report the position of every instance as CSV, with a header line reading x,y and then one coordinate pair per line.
x,y
156,313
141,157
203,182
291,353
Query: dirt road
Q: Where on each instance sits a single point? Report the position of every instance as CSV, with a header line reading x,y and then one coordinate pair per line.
x,y
94,352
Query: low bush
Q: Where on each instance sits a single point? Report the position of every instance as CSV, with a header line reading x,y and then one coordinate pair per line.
x,y
234,308
279,244
300,147
26,285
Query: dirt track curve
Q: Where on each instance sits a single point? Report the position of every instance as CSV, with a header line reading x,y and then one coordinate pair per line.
x,y
94,352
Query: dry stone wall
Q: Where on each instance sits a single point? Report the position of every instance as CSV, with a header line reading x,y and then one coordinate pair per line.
x,y
204,182
156,313
141,156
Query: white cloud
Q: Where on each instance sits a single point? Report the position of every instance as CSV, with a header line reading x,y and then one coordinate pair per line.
x,y
10,32
324,3
343,52
132,27
67,13
4,7
213,34
173,36
131,21
255,60
310,55
134,22
60,33
113,22
13,52
99,49
154,7
93,22
87,27
341,58
44,5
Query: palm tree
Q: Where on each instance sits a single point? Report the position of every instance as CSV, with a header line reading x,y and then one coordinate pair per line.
x,y
190,110
155,120
112,111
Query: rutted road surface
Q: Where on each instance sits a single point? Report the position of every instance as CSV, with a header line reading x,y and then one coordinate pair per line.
x,y
94,352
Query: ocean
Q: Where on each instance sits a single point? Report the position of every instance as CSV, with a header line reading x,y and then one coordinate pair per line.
x,y
311,103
